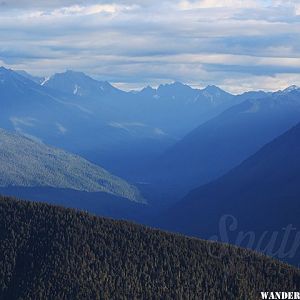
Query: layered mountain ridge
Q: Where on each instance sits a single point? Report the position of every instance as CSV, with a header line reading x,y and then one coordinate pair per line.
x,y
72,111
261,196
220,144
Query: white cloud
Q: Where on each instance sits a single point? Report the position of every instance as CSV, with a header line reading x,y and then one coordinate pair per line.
x,y
135,43
240,84
219,3
89,10
297,8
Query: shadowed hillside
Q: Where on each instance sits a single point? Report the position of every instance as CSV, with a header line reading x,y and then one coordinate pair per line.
x,y
262,194
214,148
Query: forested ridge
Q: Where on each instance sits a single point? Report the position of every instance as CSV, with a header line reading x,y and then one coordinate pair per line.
x,y
27,163
49,252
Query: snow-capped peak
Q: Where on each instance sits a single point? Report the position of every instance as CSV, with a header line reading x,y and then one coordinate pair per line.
x,y
291,88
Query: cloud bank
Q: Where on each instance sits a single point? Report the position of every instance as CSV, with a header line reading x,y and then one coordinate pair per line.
x,y
236,44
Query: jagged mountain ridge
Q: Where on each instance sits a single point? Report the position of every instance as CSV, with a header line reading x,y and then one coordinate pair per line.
x,y
223,142
75,112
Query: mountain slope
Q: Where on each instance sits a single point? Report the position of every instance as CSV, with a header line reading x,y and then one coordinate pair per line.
x,y
27,163
177,108
31,109
50,252
78,84
222,143
36,79
262,194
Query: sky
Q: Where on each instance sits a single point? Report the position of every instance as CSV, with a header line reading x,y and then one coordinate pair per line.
x,y
238,45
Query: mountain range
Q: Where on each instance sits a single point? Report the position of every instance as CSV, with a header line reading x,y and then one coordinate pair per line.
x,y
49,252
220,144
259,197
92,118
164,144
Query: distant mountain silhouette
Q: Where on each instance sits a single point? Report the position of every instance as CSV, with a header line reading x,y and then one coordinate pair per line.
x,y
180,108
36,79
223,142
116,129
163,108
78,84
81,124
31,109
54,253
262,194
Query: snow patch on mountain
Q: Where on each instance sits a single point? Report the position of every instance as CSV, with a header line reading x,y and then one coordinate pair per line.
x,y
27,121
45,80
75,91
61,128
159,131
291,88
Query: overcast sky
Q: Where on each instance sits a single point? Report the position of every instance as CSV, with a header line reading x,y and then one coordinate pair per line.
x,y
235,44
